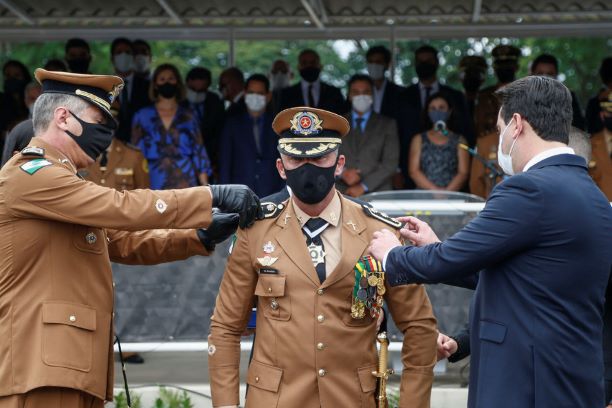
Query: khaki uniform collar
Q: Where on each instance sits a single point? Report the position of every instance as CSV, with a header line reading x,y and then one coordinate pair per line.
x,y
331,213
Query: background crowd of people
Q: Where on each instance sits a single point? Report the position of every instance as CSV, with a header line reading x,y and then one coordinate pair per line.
x,y
190,131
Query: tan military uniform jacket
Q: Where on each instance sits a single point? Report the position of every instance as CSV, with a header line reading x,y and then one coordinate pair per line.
x,y
57,233
309,352
126,168
600,166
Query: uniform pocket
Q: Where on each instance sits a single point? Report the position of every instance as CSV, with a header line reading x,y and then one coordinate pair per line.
x,y
368,386
68,332
272,301
88,239
264,382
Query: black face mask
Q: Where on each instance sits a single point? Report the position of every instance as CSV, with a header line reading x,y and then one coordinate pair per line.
x,y
426,70
310,74
13,85
505,75
167,90
78,65
472,81
94,139
608,122
311,183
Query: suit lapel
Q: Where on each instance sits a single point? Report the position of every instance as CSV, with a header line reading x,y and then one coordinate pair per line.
x,y
292,240
353,243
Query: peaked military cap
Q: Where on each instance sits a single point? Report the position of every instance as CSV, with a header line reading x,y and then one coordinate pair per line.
x,y
309,132
99,90
473,62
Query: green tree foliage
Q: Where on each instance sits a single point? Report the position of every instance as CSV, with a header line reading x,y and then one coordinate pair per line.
x,y
579,57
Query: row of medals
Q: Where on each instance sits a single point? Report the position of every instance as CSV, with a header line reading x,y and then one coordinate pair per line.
x,y
369,295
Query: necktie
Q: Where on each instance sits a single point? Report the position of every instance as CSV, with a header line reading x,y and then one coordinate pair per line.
x,y
312,230
427,93
311,101
123,108
359,122
257,135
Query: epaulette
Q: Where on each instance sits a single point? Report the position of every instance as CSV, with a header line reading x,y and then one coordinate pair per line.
x,y
272,210
132,146
371,212
33,151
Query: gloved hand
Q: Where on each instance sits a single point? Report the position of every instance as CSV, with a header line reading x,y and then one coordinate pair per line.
x,y
222,226
239,199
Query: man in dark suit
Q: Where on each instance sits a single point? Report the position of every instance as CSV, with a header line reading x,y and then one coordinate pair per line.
x,y
371,147
311,91
231,86
413,100
135,93
249,145
208,109
607,344
544,252
386,92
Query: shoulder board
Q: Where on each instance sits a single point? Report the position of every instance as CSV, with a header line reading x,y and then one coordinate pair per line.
x,y
131,146
272,210
33,151
33,166
371,212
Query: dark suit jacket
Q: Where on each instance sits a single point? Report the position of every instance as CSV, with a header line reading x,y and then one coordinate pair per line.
x,y
409,120
375,152
545,251
607,342
330,98
139,99
463,345
593,120
391,106
211,123
239,161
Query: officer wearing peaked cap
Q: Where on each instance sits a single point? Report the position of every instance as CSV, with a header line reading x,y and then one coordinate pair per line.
x,y
58,234
316,321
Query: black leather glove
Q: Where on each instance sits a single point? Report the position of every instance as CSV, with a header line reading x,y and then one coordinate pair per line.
x,y
222,226
239,199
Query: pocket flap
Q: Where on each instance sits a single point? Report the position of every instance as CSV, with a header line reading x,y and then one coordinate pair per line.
x,y
270,286
264,376
366,379
492,331
81,316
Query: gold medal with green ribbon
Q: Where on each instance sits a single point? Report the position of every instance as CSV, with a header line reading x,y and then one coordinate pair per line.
x,y
369,288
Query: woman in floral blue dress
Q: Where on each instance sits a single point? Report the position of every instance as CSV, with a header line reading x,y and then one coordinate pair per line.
x,y
168,135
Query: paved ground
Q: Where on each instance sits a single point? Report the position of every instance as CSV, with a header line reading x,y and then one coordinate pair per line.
x,y
188,370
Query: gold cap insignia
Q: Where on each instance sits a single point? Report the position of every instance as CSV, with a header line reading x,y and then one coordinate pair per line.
x,y
306,123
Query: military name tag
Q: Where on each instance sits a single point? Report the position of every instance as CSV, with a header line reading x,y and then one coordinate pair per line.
x,y
121,171
268,271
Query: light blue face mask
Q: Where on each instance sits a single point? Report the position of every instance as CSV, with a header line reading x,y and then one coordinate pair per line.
x,y
437,116
505,160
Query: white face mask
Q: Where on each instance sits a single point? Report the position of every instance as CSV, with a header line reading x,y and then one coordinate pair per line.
x,y
255,102
279,80
376,71
123,62
195,97
142,63
505,160
362,103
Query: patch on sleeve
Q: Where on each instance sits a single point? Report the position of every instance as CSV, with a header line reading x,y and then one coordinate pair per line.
x,y
33,166
371,212
212,349
161,206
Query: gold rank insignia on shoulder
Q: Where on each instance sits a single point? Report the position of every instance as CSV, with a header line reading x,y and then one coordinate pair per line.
x,y
369,288
371,212
33,151
272,210
306,123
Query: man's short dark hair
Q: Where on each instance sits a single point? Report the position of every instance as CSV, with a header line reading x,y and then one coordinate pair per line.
x,y
259,78
77,43
199,73
382,50
545,103
140,42
308,51
426,49
360,77
55,64
545,59
117,41
605,70
234,73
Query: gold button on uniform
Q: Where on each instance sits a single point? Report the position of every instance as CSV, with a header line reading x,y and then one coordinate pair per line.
x,y
256,379
321,318
320,346
322,372
269,290
72,318
320,291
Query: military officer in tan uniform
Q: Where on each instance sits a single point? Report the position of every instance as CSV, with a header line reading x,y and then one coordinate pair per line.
x,y
313,348
600,166
58,234
505,64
